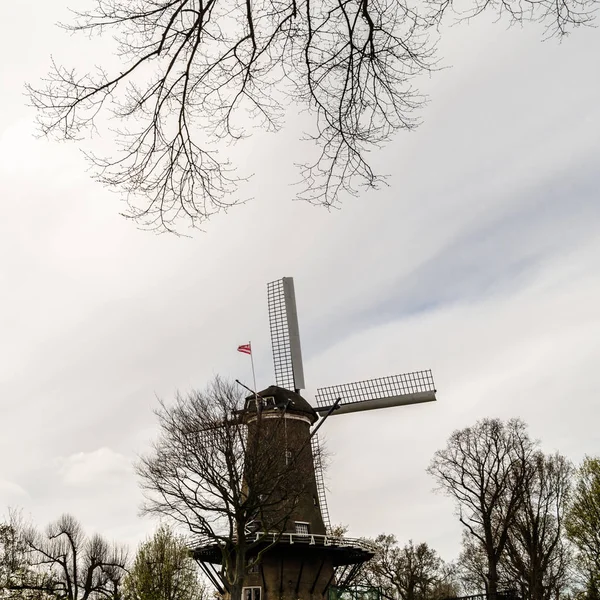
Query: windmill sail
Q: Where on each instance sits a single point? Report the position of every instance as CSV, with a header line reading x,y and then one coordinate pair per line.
x,y
320,481
285,334
397,390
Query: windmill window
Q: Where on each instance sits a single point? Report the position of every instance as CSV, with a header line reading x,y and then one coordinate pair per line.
x,y
269,401
302,528
251,593
253,568
288,457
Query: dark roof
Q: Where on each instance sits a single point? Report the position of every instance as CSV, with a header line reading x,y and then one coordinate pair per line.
x,y
284,399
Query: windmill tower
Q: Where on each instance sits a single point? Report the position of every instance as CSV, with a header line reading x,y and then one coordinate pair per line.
x,y
303,559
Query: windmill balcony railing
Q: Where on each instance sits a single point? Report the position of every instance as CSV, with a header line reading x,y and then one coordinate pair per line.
x,y
309,539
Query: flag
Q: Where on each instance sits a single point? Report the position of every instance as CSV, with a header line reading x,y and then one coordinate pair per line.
x,y
245,348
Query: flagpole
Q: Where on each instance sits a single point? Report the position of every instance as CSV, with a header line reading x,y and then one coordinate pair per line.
x,y
254,380
253,373
247,349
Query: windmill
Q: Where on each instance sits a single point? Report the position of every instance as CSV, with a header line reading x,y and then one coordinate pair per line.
x,y
306,560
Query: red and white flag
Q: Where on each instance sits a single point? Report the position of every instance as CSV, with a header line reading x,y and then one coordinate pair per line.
x,y
245,349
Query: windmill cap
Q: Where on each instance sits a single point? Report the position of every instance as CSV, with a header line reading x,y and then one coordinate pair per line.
x,y
283,399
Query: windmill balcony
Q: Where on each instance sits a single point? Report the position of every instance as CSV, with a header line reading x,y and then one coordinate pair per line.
x,y
342,549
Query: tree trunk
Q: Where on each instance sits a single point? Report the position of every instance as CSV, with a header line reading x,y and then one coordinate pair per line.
x,y
536,590
492,590
240,572
236,590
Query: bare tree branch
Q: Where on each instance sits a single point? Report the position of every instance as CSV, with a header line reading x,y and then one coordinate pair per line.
x,y
196,73
223,474
200,71
537,556
486,469
62,563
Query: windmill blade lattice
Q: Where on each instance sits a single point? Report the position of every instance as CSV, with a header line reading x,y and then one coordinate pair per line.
x,y
320,481
396,390
285,334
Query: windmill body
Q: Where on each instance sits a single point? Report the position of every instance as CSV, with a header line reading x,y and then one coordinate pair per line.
x,y
301,557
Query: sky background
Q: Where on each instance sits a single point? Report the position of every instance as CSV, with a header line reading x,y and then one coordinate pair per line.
x,y
481,261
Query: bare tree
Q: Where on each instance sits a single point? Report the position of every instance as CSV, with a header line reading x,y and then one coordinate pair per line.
x,y
411,572
486,469
63,563
195,72
536,554
227,480
448,584
472,565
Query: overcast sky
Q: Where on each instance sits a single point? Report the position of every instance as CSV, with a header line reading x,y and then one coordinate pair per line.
x,y
481,261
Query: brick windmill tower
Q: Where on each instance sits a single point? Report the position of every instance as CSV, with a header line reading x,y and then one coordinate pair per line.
x,y
302,557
